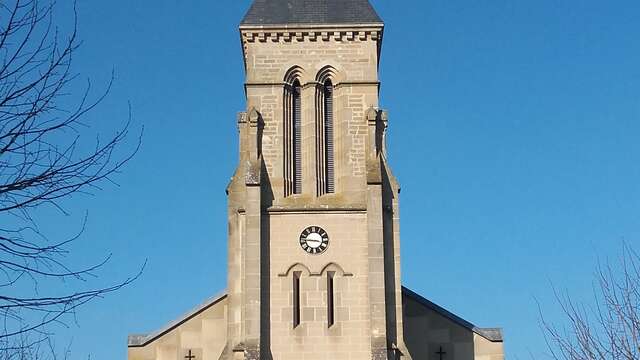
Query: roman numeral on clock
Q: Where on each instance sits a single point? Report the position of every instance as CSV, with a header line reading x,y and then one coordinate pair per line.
x,y
314,240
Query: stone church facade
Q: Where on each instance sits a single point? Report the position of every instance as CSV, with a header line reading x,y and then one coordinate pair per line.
x,y
314,240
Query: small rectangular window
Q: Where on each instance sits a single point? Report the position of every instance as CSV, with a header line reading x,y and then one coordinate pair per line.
x,y
330,301
296,299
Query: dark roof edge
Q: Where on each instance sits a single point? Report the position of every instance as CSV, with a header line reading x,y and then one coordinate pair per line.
x,y
491,334
135,341
309,26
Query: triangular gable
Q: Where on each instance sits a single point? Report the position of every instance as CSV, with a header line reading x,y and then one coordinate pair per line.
x,y
144,340
491,334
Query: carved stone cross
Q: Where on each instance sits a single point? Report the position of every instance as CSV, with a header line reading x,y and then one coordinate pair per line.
x,y
190,356
441,353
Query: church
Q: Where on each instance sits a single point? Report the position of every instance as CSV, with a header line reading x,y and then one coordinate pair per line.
x,y
313,210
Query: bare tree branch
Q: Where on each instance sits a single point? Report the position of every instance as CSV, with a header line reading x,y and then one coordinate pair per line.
x,y
43,162
609,329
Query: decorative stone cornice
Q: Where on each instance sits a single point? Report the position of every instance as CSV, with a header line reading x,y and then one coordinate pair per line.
x,y
273,35
310,33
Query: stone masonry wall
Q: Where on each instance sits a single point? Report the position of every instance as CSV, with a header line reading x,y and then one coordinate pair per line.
x,y
355,78
349,338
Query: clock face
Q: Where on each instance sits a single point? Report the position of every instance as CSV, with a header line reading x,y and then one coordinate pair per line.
x,y
314,240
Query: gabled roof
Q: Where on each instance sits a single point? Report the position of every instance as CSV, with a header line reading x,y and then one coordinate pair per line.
x,y
310,12
491,334
144,340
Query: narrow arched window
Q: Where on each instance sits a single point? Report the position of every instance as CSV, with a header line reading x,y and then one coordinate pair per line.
x,y
296,299
325,167
328,137
331,312
297,137
293,138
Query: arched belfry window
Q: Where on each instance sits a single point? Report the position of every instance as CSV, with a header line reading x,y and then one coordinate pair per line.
x,y
293,138
325,154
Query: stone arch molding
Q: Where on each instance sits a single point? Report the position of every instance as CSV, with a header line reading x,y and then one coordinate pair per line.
x,y
323,71
308,272
295,72
296,267
329,72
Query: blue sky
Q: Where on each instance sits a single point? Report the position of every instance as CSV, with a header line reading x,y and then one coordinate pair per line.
x,y
514,129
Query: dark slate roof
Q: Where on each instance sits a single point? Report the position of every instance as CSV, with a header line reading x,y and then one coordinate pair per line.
x,y
311,12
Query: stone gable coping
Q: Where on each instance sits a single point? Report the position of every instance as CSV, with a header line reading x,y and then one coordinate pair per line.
x,y
491,334
146,339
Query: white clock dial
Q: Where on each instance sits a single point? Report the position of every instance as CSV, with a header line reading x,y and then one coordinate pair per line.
x,y
314,240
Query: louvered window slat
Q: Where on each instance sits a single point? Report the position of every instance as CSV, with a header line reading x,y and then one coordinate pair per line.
x,y
328,138
297,138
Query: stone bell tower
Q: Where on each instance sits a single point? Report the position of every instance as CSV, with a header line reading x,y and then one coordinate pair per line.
x,y
314,245
314,252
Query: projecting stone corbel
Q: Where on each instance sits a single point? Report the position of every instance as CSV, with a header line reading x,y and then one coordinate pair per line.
x,y
383,125
253,172
372,114
374,165
377,121
372,120
256,124
374,170
254,117
253,162
242,118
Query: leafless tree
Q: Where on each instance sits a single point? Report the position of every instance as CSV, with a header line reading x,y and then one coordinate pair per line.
x,y
608,329
42,164
33,350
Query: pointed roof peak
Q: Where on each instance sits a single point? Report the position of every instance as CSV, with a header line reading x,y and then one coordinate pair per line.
x,y
310,12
